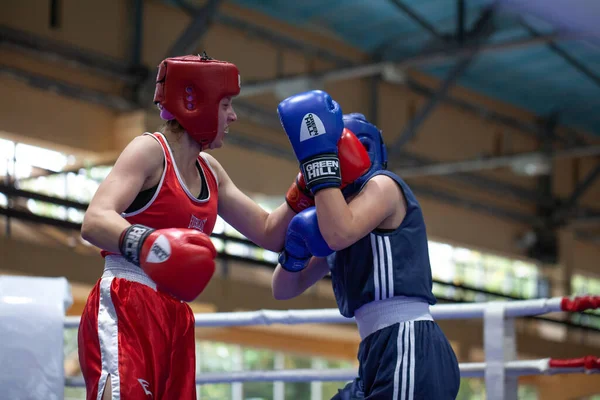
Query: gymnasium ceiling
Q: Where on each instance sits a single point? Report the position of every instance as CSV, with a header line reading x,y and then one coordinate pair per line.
x,y
539,55
543,56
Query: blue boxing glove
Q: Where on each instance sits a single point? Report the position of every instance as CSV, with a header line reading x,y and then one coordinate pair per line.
x,y
313,122
303,240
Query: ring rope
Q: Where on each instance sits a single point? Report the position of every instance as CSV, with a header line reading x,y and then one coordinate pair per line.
x,y
517,308
545,366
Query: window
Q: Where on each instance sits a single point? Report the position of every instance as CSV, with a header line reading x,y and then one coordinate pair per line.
x,y
258,360
72,364
22,160
7,155
215,357
473,269
451,265
474,389
221,357
584,285
329,389
297,390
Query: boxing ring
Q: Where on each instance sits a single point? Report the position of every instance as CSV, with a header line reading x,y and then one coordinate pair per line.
x,y
500,369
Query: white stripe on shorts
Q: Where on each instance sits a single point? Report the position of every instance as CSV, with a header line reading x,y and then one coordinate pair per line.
x,y
406,358
108,335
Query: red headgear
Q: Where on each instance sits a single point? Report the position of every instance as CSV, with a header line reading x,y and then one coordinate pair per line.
x,y
190,88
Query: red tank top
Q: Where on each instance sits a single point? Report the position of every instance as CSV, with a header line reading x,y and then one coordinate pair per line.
x,y
173,206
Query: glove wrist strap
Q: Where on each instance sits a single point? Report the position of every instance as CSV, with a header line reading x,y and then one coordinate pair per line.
x,y
321,171
131,241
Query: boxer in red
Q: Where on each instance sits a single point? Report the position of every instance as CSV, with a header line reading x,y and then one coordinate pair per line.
x,y
152,216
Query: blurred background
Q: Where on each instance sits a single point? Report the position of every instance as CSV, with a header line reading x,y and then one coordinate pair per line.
x,y
490,111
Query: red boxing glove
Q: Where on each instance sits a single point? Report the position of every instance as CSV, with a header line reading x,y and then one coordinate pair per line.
x,y
179,261
298,196
354,158
354,162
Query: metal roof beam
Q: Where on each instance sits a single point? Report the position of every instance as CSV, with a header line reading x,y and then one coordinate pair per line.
x,y
585,217
38,219
477,181
419,20
583,186
480,164
478,109
578,65
118,103
11,191
273,37
42,48
461,11
426,58
530,128
202,19
482,30
448,198
136,14
137,19
50,50
280,40
186,43
370,69
69,90
563,212
411,129
588,236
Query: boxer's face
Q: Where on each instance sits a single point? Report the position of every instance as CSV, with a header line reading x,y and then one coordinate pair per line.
x,y
227,116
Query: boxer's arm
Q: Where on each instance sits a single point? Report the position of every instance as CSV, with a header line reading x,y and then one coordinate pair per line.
x,y
266,230
102,223
342,224
287,285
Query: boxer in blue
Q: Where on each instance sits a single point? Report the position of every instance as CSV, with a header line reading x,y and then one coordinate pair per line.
x,y
371,236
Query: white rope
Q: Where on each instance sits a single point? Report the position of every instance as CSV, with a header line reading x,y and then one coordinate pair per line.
x,y
517,308
467,370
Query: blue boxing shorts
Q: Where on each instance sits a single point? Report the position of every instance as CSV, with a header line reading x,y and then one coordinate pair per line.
x,y
409,360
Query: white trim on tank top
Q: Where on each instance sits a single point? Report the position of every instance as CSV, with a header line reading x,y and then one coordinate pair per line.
x,y
160,183
181,183
203,155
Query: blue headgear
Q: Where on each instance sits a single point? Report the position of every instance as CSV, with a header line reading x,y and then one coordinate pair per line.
x,y
371,138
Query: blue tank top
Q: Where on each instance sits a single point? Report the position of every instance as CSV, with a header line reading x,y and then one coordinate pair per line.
x,y
382,265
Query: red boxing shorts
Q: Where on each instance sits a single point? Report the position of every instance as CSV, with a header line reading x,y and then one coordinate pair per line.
x,y
142,338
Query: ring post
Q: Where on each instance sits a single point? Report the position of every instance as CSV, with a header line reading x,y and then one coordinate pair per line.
x,y
499,347
32,336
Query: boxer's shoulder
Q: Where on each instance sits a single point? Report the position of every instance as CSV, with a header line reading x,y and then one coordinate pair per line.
x,y
147,144
210,159
142,153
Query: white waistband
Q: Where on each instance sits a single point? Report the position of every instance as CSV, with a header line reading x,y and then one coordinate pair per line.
x,y
380,314
117,267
